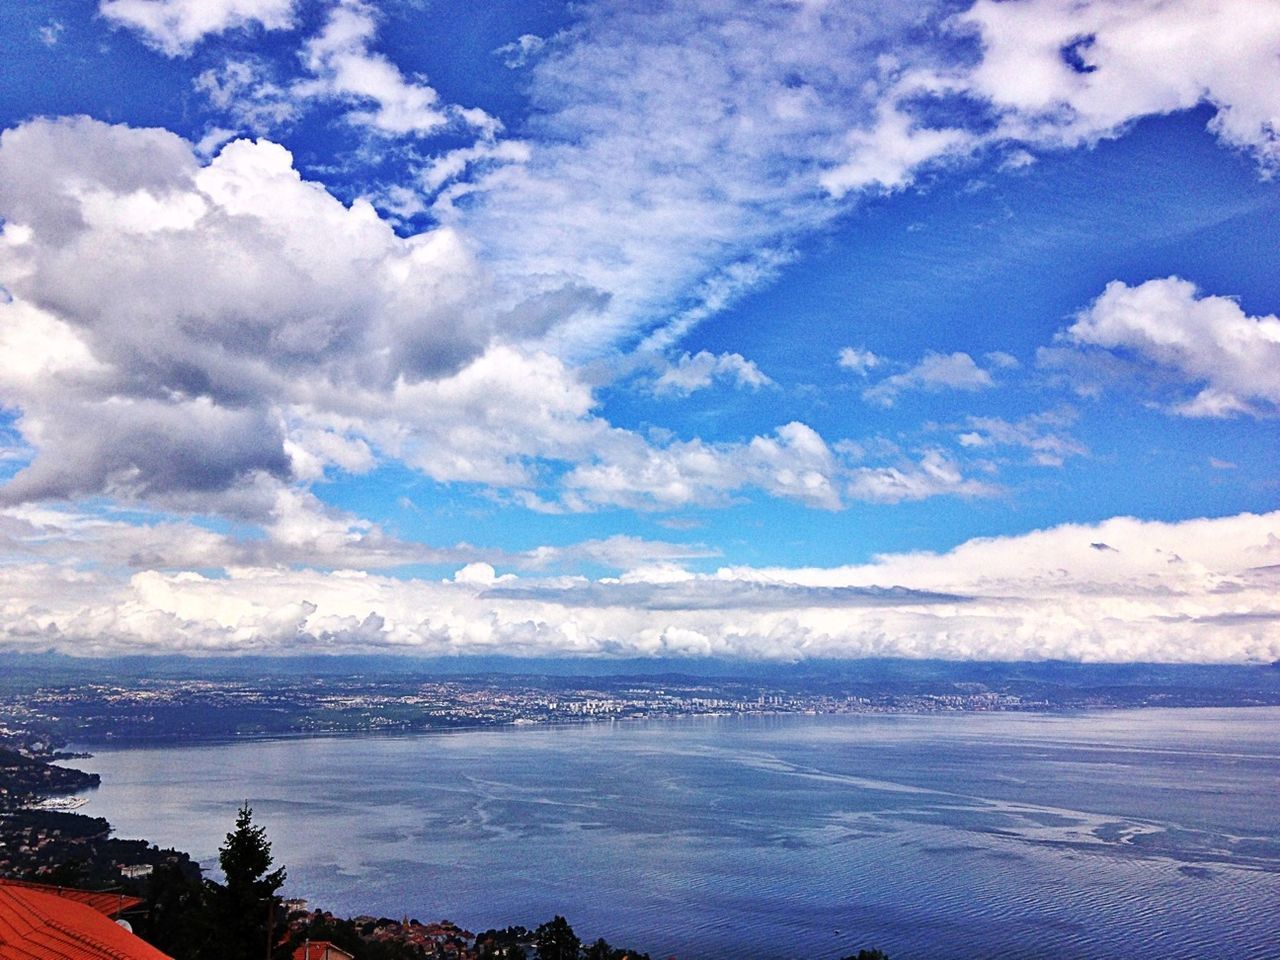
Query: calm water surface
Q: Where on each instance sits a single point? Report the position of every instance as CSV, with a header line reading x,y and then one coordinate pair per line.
x,y
1134,834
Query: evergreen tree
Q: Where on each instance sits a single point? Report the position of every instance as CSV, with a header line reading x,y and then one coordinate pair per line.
x,y
246,907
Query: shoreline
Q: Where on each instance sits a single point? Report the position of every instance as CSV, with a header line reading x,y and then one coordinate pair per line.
x,y
85,749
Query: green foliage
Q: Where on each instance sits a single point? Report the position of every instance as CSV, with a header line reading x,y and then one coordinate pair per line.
x,y
245,859
505,944
600,950
556,940
177,919
244,910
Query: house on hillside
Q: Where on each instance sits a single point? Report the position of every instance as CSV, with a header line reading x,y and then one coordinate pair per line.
x,y
321,950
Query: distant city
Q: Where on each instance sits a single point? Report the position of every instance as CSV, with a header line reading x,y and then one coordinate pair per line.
x,y
113,704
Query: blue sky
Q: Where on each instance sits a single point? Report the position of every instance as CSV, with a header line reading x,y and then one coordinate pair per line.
x,y
632,329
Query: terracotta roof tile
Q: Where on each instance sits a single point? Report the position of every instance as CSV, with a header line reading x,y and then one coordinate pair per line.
x,y
38,925
320,950
105,902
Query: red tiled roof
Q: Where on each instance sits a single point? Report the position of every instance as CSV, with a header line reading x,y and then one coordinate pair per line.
x,y
109,904
38,925
320,950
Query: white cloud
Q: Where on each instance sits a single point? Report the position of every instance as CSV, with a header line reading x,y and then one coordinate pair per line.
x,y
245,91
935,474
197,335
1042,434
935,371
858,359
888,155
193,306
51,32
1133,58
713,138
344,68
626,471
1194,591
479,574
691,373
174,27
998,358
1208,342
519,51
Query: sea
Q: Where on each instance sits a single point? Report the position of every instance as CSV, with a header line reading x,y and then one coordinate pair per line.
x,y
1134,834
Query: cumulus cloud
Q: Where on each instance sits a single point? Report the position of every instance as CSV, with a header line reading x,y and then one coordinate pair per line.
x,y
1064,73
794,463
934,372
182,313
1199,590
174,27
699,371
1169,328
183,328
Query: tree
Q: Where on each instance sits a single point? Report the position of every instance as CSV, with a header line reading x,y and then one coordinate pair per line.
x,y
245,906
556,940
505,944
177,918
601,950
491,950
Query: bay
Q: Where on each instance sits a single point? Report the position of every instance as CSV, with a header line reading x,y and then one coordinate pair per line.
x,y
1126,834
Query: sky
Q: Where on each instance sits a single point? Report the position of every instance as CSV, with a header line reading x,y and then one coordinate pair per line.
x,y
772,331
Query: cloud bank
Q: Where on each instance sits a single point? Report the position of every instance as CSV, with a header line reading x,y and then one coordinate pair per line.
x,y
1202,590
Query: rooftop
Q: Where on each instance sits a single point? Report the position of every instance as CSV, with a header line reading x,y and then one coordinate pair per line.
x,y
55,923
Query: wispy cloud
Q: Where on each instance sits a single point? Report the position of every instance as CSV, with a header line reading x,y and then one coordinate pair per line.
x,y
1044,435
345,68
934,372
